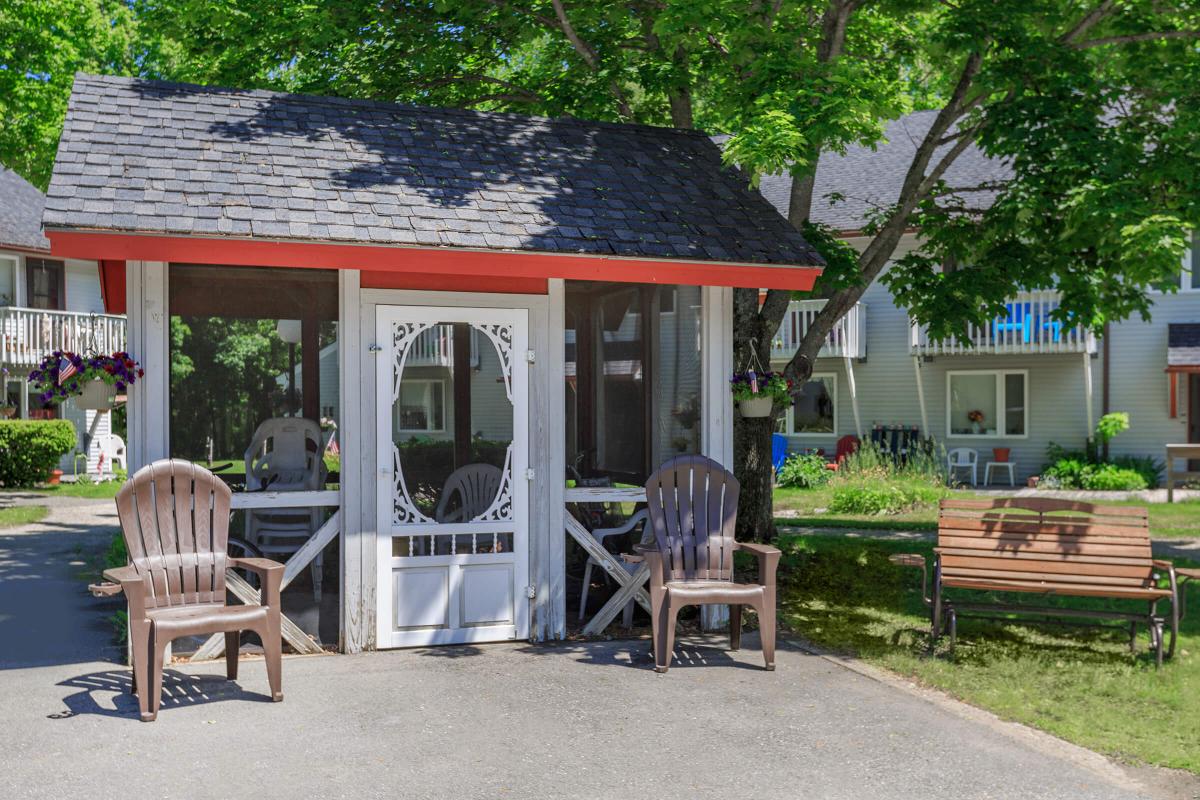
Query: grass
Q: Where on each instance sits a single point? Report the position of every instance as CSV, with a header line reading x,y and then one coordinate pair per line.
x,y
809,508
1083,685
102,490
18,516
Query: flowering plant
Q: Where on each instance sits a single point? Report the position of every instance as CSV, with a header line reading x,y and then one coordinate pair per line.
x,y
975,416
750,384
63,374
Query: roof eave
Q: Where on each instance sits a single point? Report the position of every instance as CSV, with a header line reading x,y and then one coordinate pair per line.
x,y
96,244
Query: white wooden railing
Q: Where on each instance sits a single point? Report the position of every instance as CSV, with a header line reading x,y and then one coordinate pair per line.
x,y
846,340
435,348
27,335
1026,327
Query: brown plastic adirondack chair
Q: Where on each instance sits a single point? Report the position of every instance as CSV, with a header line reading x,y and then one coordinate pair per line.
x,y
692,501
175,519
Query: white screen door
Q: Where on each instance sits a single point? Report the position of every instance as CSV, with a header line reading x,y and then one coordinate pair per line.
x,y
453,493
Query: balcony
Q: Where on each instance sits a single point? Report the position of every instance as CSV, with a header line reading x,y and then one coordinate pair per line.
x,y
435,348
846,340
27,335
1025,327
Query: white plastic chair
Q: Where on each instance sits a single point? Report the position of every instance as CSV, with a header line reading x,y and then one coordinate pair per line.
x,y
964,458
112,452
285,455
600,534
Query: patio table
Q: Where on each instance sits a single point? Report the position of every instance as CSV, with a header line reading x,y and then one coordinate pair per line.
x,y
630,583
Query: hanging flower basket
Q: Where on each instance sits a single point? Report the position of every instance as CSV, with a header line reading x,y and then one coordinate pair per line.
x,y
756,393
97,396
95,380
756,406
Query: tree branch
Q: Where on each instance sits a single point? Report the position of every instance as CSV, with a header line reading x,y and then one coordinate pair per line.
x,y
1149,36
588,54
1088,21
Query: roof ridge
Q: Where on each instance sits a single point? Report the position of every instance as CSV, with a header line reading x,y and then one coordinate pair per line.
x,y
383,105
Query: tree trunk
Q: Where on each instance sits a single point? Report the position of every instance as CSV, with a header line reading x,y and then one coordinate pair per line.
x,y
752,465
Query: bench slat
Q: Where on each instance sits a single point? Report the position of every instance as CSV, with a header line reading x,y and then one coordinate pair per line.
x,y
1070,558
1042,505
1049,587
1055,526
1096,581
1082,569
1049,544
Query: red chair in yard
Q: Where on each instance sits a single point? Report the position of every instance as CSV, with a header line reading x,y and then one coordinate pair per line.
x,y
845,446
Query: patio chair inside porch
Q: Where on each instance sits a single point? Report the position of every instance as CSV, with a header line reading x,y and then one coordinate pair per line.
x,y
285,455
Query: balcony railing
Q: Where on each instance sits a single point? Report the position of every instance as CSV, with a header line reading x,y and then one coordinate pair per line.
x,y
846,340
435,348
1025,327
27,335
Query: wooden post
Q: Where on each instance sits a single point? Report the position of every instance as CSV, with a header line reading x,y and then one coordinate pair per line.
x,y
149,325
310,367
462,394
716,365
356,439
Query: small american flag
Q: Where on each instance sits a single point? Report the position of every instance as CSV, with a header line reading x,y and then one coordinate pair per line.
x,y
66,368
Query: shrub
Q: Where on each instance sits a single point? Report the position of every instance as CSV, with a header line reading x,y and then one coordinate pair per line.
x,y
29,449
863,494
1066,473
1110,477
804,471
1146,466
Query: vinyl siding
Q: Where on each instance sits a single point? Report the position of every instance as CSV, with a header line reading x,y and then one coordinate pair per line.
x,y
887,388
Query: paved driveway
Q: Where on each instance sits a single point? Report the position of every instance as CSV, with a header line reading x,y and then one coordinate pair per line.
x,y
521,721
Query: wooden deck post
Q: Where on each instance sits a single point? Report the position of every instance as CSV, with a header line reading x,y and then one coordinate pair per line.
x,y
853,386
920,397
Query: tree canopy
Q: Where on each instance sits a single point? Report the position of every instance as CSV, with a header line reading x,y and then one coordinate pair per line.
x,y
1094,105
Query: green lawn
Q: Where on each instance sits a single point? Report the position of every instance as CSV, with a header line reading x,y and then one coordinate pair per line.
x,y
1083,685
89,489
807,507
17,516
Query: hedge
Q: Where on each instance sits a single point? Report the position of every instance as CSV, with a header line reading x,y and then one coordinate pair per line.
x,y
29,449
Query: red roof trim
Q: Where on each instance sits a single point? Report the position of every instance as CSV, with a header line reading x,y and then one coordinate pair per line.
x,y
428,260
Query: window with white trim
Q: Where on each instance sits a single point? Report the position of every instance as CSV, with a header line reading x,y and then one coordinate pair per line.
x,y
8,281
987,403
815,411
421,407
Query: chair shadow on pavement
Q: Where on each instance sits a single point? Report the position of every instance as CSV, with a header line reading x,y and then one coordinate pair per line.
x,y
109,693
689,652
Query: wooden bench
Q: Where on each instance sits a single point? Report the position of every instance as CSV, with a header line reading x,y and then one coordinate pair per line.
x,y
1049,547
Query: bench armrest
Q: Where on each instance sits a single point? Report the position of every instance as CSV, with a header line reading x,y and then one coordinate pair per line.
x,y
269,572
916,561
768,559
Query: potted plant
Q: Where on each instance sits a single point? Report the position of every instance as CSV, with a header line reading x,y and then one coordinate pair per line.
x,y
976,419
93,379
1000,454
756,393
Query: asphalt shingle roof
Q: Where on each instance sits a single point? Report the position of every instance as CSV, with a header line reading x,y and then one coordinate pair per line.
x,y
169,158
21,213
867,179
